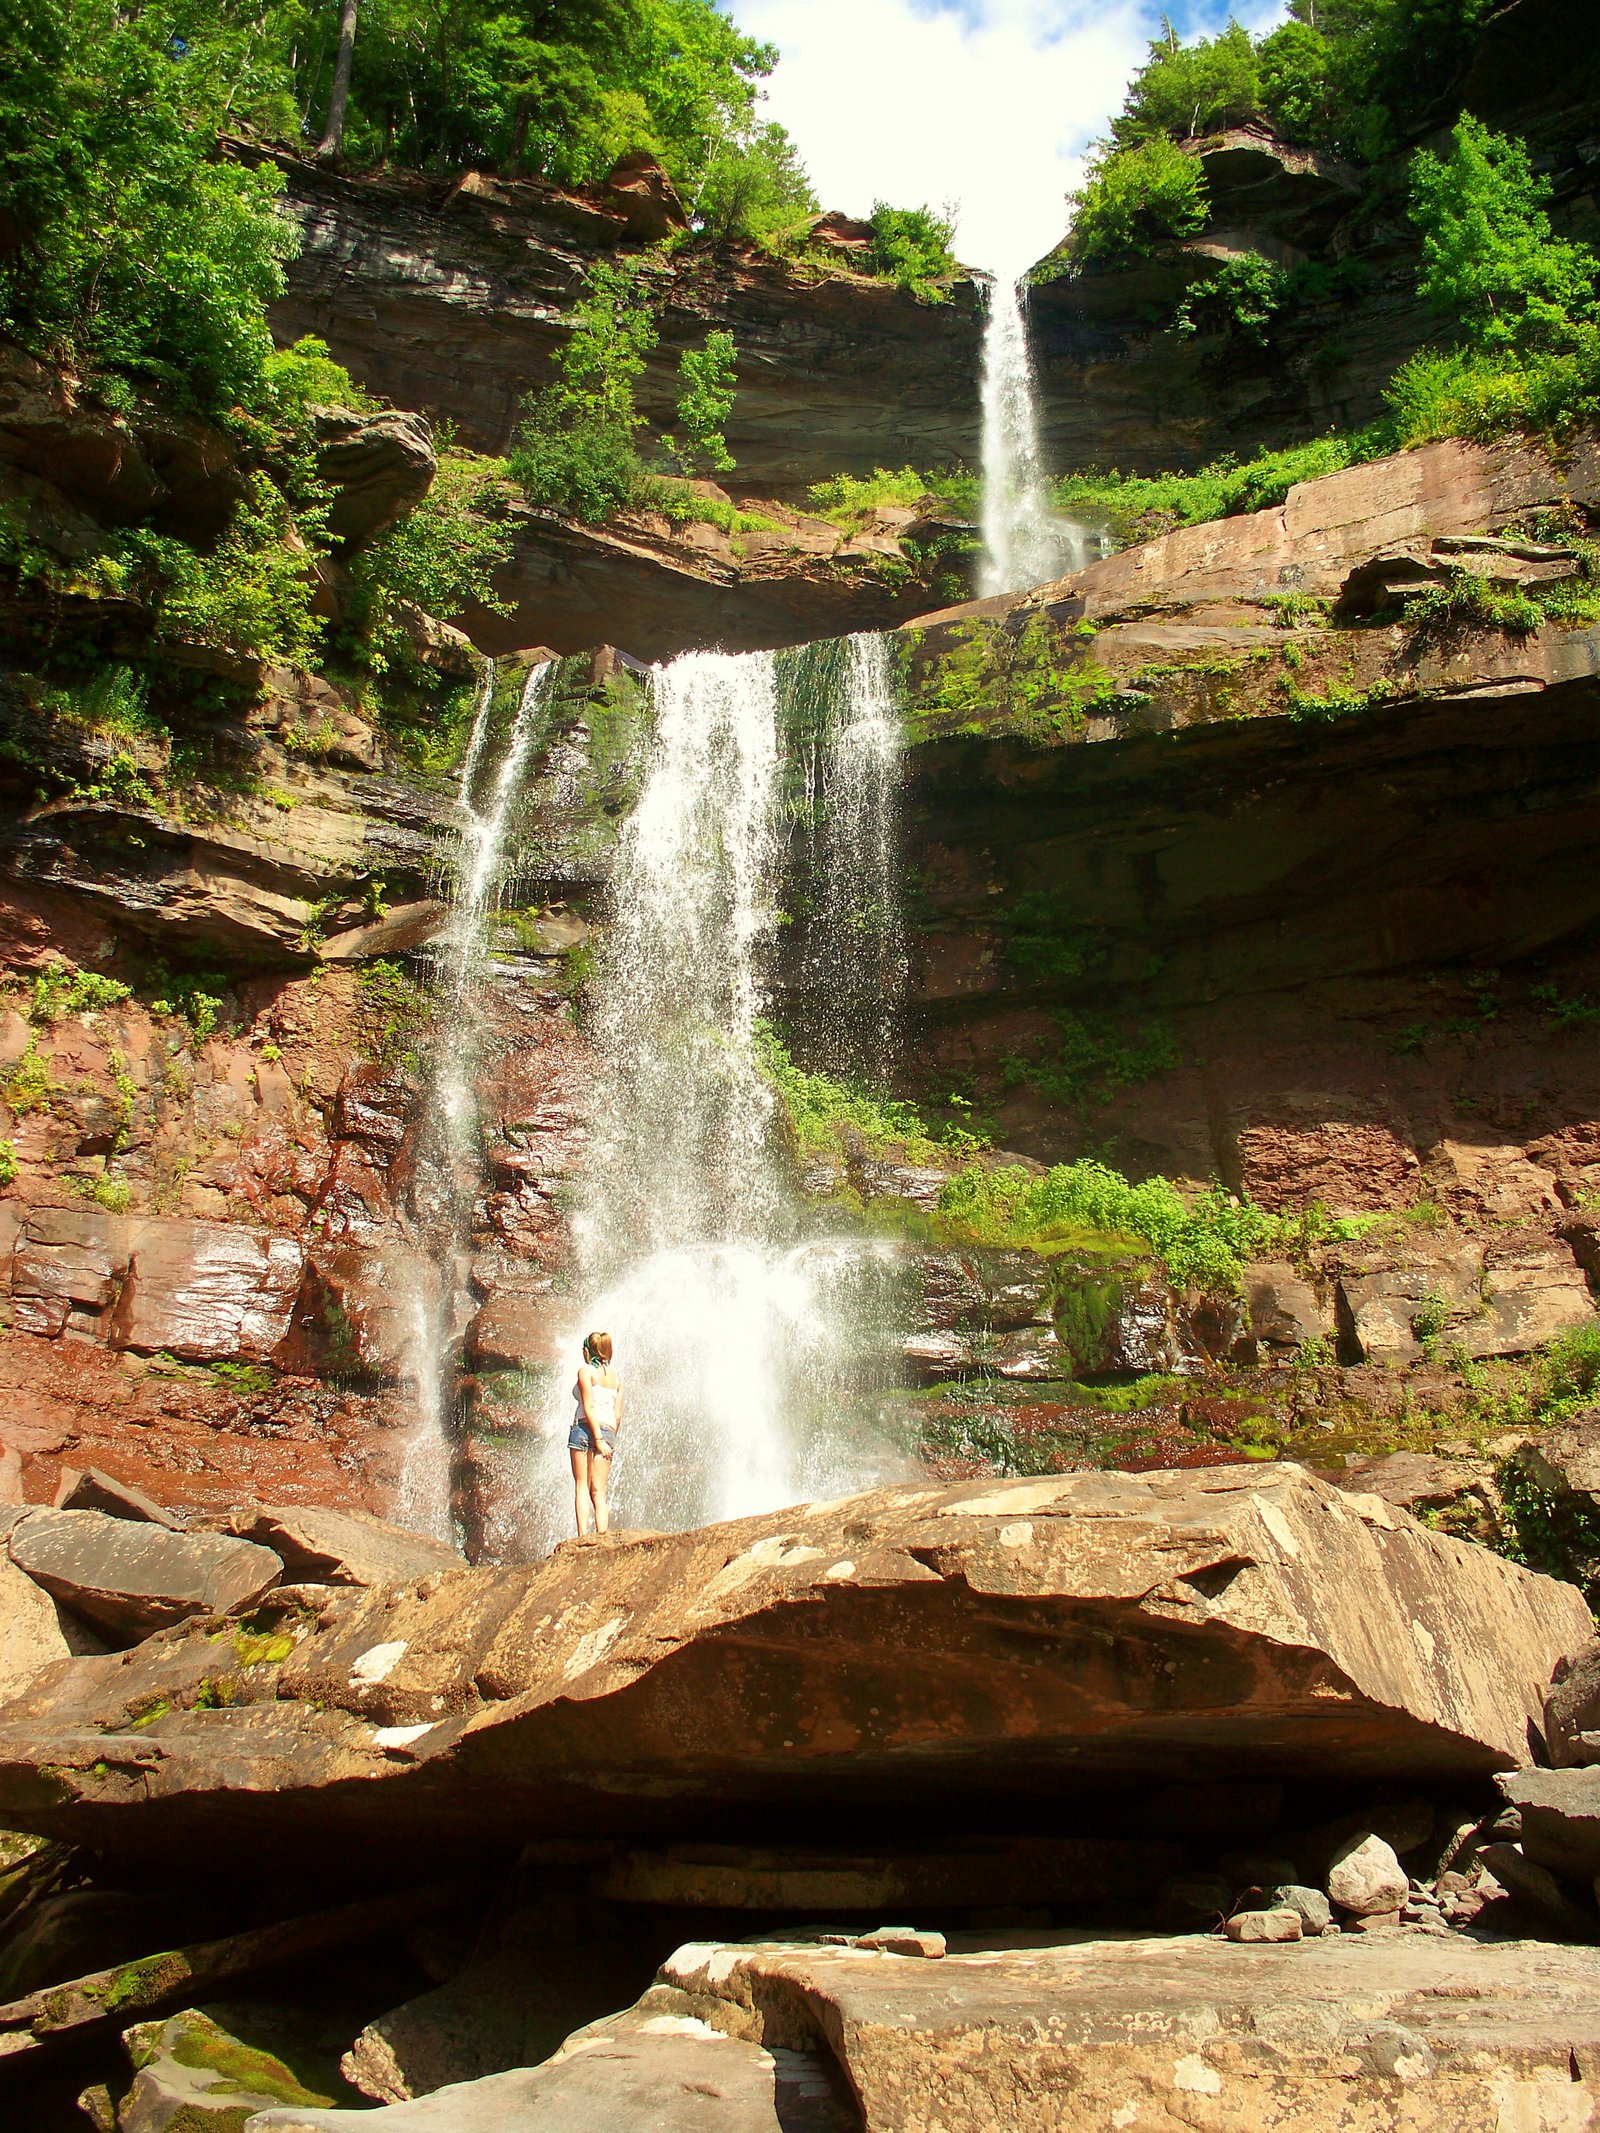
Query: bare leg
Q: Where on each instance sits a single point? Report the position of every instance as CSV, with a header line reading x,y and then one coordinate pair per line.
x,y
599,1482
581,1488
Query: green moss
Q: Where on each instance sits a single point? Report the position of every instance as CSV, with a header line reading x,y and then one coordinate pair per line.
x,y
140,1984
242,2069
263,1649
1039,682
30,1086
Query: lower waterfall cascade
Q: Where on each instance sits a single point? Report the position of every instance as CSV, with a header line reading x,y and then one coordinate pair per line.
x,y
1026,542
742,1335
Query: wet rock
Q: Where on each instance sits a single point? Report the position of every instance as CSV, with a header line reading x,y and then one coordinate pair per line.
x,y
1572,1709
1061,2039
128,1579
1283,1311
342,1547
1366,1877
95,1491
763,1662
514,1332
1275,1925
1560,1818
191,2075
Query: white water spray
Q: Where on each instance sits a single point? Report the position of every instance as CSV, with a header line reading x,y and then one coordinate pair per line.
x,y
447,1161
1025,542
740,1339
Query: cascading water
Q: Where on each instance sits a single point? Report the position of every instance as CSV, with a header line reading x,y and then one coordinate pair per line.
x,y
856,951
1025,542
447,1172
741,1338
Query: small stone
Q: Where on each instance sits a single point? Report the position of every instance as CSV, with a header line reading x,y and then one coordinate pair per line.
x,y
902,1940
1367,1878
1310,1905
1266,1926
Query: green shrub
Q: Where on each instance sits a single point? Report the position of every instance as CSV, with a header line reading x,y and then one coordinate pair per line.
x,y
1140,505
253,594
305,375
911,248
441,557
1241,299
847,499
1187,89
8,1164
705,401
575,450
819,1107
59,990
585,467
1133,199
115,699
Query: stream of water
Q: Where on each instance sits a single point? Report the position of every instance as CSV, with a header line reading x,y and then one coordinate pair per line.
x,y
448,1167
742,1334
1026,542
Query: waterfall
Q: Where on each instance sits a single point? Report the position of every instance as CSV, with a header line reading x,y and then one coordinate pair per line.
x,y
448,1170
1025,543
740,1336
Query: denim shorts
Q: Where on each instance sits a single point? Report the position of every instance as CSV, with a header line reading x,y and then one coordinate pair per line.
x,y
578,1439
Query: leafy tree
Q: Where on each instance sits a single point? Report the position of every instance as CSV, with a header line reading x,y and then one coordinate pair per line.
x,y
1242,298
575,450
1296,90
1188,89
441,557
1489,255
755,187
1135,198
911,247
705,401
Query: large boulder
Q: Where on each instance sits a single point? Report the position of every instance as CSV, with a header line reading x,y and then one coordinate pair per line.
x,y
1560,1812
1572,1710
31,1636
882,1654
129,1579
319,1546
379,467
193,2076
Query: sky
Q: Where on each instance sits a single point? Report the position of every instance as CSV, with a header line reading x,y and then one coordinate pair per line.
x,y
984,104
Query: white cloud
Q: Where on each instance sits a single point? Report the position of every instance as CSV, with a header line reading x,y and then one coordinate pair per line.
x,y
987,104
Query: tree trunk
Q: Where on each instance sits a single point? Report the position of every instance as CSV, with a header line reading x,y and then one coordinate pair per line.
x,y
333,132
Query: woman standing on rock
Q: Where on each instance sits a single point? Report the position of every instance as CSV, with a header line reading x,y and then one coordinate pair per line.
x,y
592,1439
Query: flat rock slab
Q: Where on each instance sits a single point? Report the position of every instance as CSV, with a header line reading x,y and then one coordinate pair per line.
x,y
129,1579
1152,2036
638,2074
1560,1817
890,1651
343,1547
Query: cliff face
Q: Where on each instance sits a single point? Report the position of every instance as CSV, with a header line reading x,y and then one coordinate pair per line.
x,y
1122,388
451,299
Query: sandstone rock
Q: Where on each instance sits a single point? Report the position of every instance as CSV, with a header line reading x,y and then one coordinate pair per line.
x,y
131,1579
191,2075
1257,1616
94,1491
1572,1709
663,2072
1462,2038
317,1546
1419,1481
1310,1906
1283,1309
647,198
1566,1459
1560,1818
519,1333
378,466
204,1291
1277,1925
1366,1877
30,1633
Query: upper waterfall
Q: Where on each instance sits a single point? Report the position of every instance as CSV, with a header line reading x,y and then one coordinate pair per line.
x,y
1025,542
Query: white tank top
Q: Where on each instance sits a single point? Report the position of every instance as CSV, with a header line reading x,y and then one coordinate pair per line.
x,y
603,1400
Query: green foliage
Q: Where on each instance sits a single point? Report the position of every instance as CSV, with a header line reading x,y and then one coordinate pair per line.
x,y
141,256
59,990
847,499
1139,505
1242,299
1133,199
1295,76
8,1164
1188,89
755,188
911,247
115,1195
705,401
29,1086
819,1107
252,594
1093,1059
1341,700
441,558
196,997
1204,1243
1039,682
394,1013
304,375
114,699
575,450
